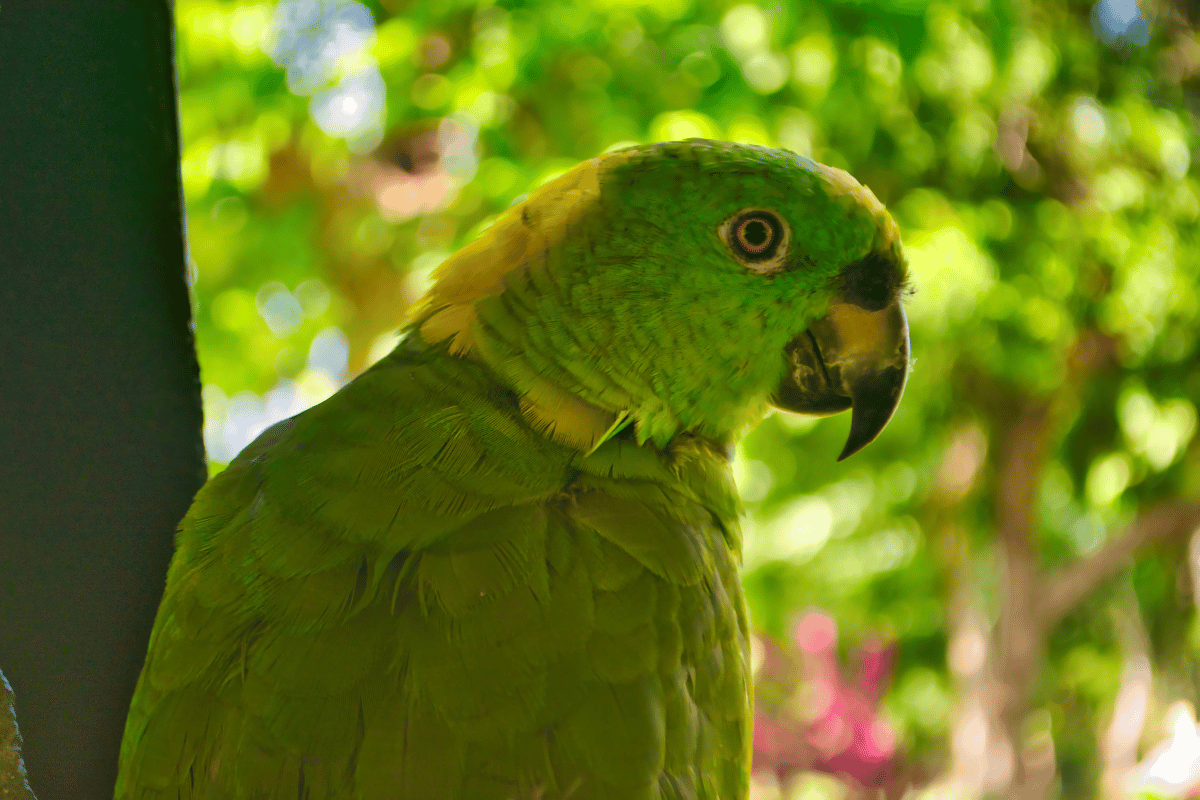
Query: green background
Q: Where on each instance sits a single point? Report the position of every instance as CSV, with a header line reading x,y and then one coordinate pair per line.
x,y
1038,157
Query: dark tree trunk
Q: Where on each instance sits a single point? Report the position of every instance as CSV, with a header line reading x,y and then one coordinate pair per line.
x,y
100,448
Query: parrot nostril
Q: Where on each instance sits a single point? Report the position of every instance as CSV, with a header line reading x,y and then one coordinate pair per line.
x,y
870,282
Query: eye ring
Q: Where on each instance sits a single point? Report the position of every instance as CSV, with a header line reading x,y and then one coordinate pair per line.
x,y
757,238
754,236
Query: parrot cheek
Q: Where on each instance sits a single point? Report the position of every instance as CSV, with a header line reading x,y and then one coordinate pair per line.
x,y
853,357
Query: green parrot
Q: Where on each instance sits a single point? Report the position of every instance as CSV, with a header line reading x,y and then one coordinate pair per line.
x,y
502,563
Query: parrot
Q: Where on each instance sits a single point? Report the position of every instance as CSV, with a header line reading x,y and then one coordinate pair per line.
x,y
503,562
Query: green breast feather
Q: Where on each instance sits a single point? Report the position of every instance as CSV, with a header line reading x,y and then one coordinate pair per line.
x,y
502,563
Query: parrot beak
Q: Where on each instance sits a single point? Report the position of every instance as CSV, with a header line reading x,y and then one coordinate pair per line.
x,y
852,357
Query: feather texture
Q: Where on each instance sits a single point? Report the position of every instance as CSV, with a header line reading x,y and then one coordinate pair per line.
x,y
504,622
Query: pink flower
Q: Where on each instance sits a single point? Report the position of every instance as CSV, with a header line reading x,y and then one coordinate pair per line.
x,y
840,732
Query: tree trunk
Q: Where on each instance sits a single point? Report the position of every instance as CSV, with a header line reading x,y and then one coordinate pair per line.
x,y
100,448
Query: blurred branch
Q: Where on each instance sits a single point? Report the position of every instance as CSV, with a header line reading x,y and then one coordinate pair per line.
x,y
1069,587
13,784
1021,629
1033,604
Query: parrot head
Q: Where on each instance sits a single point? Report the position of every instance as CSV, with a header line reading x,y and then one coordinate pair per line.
x,y
684,286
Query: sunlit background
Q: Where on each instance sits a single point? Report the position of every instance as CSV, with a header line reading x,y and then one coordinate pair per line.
x,y
1039,159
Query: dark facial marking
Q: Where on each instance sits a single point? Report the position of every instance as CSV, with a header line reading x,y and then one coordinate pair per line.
x,y
870,282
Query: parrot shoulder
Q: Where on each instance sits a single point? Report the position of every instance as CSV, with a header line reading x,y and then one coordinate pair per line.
x,y
293,558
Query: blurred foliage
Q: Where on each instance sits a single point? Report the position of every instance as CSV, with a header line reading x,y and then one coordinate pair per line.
x,y
1037,155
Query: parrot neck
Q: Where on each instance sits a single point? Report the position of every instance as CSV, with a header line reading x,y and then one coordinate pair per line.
x,y
560,415
582,407
567,418
574,389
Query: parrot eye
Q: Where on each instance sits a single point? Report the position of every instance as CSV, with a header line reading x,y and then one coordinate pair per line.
x,y
757,238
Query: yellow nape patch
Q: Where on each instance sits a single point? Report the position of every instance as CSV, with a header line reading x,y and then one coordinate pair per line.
x,y
478,269
451,321
566,418
841,183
